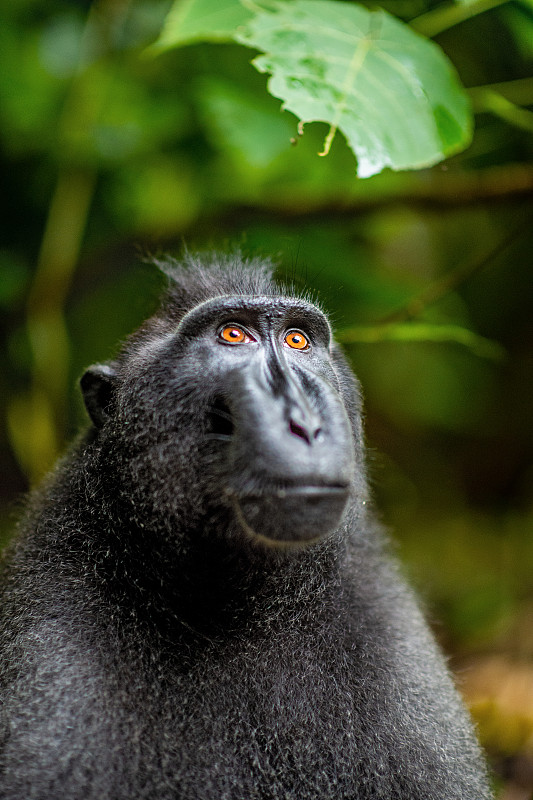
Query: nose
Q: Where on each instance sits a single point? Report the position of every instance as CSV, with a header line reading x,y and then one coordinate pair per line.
x,y
304,425
302,419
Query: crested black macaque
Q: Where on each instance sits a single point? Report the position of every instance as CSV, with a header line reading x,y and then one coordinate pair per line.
x,y
199,604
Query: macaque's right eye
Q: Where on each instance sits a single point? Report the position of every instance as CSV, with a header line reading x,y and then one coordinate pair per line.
x,y
234,334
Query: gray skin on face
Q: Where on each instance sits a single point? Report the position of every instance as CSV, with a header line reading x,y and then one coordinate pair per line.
x,y
290,459
199,604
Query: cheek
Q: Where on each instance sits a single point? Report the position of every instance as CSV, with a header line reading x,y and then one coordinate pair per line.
x,y
166,482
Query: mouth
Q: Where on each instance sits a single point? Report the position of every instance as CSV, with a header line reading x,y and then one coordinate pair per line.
x,y
291,515
289,488
307,490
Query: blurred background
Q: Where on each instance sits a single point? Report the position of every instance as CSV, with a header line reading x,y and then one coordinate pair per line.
x,y
110,155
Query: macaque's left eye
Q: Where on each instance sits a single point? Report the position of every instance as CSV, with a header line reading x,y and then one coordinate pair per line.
x,y
296,340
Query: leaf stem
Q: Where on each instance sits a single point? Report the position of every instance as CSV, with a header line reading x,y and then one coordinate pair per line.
x,y
440,19
519,91
328,141
486,99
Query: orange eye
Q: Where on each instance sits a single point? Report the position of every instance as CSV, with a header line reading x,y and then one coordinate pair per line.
x,y
234,334
296,340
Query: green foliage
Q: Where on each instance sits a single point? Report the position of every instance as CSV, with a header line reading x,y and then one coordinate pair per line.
x,y
392,93
243,123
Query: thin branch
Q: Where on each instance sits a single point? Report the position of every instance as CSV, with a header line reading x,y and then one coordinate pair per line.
x,y
38,443
397,326
454,278
422,332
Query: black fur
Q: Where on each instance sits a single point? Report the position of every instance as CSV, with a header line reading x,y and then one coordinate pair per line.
x,y
199,605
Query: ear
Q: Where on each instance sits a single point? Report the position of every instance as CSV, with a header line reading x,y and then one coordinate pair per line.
x,y
98,385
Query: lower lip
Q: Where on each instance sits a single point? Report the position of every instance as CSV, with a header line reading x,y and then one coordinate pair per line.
x,y
308,491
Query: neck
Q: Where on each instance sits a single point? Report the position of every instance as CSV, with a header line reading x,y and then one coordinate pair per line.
x,y
214,584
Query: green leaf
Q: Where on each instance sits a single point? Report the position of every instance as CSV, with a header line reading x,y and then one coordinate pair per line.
x,y
422,332
392,93
191,21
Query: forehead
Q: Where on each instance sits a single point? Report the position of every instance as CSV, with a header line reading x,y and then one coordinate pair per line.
x,y
256,308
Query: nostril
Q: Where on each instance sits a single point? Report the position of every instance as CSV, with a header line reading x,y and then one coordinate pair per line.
x,y
318,433
220,420
299,430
